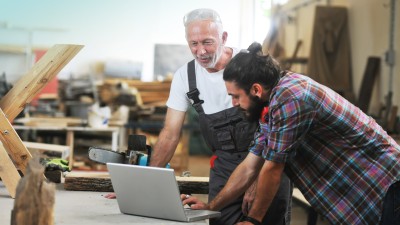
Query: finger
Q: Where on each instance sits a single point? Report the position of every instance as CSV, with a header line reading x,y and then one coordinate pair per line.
x,y
110,196
183,197
189,201
197,206
244,208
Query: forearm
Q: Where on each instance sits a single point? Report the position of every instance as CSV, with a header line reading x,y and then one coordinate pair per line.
x,y
268,184
168,139
164,148
243,176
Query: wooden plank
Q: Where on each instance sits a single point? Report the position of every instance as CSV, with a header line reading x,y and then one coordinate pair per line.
x,y
88,182
26,88
151,93
46,121
391,123
143,86
63,150
8,173
100,181
13,144
18,49
370,74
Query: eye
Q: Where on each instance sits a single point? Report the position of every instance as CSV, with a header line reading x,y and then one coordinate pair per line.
x,y
208,42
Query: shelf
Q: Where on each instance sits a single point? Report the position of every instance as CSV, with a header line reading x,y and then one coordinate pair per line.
x,y
17,49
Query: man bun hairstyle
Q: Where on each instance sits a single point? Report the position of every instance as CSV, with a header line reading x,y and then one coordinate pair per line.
x,y
251,66
255,48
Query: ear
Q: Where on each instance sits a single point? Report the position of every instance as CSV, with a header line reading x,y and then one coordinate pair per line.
x,y
224,37
256,90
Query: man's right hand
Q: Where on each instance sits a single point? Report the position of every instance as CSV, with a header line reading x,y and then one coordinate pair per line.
x,y
193,202
110,196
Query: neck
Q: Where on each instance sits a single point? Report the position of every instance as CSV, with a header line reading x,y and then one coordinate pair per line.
x,y
226,56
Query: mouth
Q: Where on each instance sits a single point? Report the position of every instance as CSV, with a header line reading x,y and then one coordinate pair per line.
x,y
203,59
243,110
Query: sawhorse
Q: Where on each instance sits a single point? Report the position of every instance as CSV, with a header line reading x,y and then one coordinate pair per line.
x,y
13,153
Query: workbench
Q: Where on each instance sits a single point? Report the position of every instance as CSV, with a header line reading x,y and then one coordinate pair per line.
x,y
70,134
83,207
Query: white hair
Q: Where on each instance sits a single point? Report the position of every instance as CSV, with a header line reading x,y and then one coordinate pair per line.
x,y
203,14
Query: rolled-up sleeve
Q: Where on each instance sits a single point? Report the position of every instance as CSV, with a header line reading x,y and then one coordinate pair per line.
x,y
289,122
258,145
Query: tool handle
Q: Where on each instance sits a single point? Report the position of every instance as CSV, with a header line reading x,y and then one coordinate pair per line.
x,y
148,147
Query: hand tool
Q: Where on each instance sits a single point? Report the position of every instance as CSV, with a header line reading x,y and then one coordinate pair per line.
x,y
138,153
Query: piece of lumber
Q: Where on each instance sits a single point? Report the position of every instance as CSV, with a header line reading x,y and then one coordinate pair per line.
x,y
391,123
80,181
42,72
34,200
151,93
46,121
370,74
9,175
62,150
100,181
288,64
193,185
13,144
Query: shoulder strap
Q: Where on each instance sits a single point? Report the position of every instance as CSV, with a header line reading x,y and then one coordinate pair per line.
x,y
191,75
193,93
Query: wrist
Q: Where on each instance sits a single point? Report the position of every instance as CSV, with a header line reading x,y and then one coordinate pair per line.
x,y
251,220
208,206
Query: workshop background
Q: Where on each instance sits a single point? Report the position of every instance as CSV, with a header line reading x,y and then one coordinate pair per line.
x,y
118,83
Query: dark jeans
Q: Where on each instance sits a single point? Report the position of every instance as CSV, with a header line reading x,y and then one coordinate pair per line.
x,y
391,206
279,212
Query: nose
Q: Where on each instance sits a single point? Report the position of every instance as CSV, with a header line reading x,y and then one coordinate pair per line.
x,y
235,102
201,50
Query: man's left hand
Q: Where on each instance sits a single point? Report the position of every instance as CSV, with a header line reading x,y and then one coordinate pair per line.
x,y
249,197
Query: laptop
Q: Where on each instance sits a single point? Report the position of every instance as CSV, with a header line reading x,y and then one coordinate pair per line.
x,y
151,192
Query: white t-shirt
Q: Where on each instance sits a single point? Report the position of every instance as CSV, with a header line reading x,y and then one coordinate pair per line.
x,y
211,87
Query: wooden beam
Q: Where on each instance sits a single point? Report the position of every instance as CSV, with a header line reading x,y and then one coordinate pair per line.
x,y
13,144
8,173
26,88
94,181
62,150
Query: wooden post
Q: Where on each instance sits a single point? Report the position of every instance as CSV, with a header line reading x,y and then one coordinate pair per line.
x,y
34,201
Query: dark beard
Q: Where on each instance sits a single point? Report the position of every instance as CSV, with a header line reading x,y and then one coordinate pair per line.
x,y
253,113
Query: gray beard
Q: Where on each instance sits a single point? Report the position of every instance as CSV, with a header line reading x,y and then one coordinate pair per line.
x,y
215,58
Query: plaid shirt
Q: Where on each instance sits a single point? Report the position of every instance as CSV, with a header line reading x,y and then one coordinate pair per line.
x,y
341,159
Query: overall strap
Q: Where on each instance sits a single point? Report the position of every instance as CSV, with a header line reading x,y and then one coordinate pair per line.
x,y
194,93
